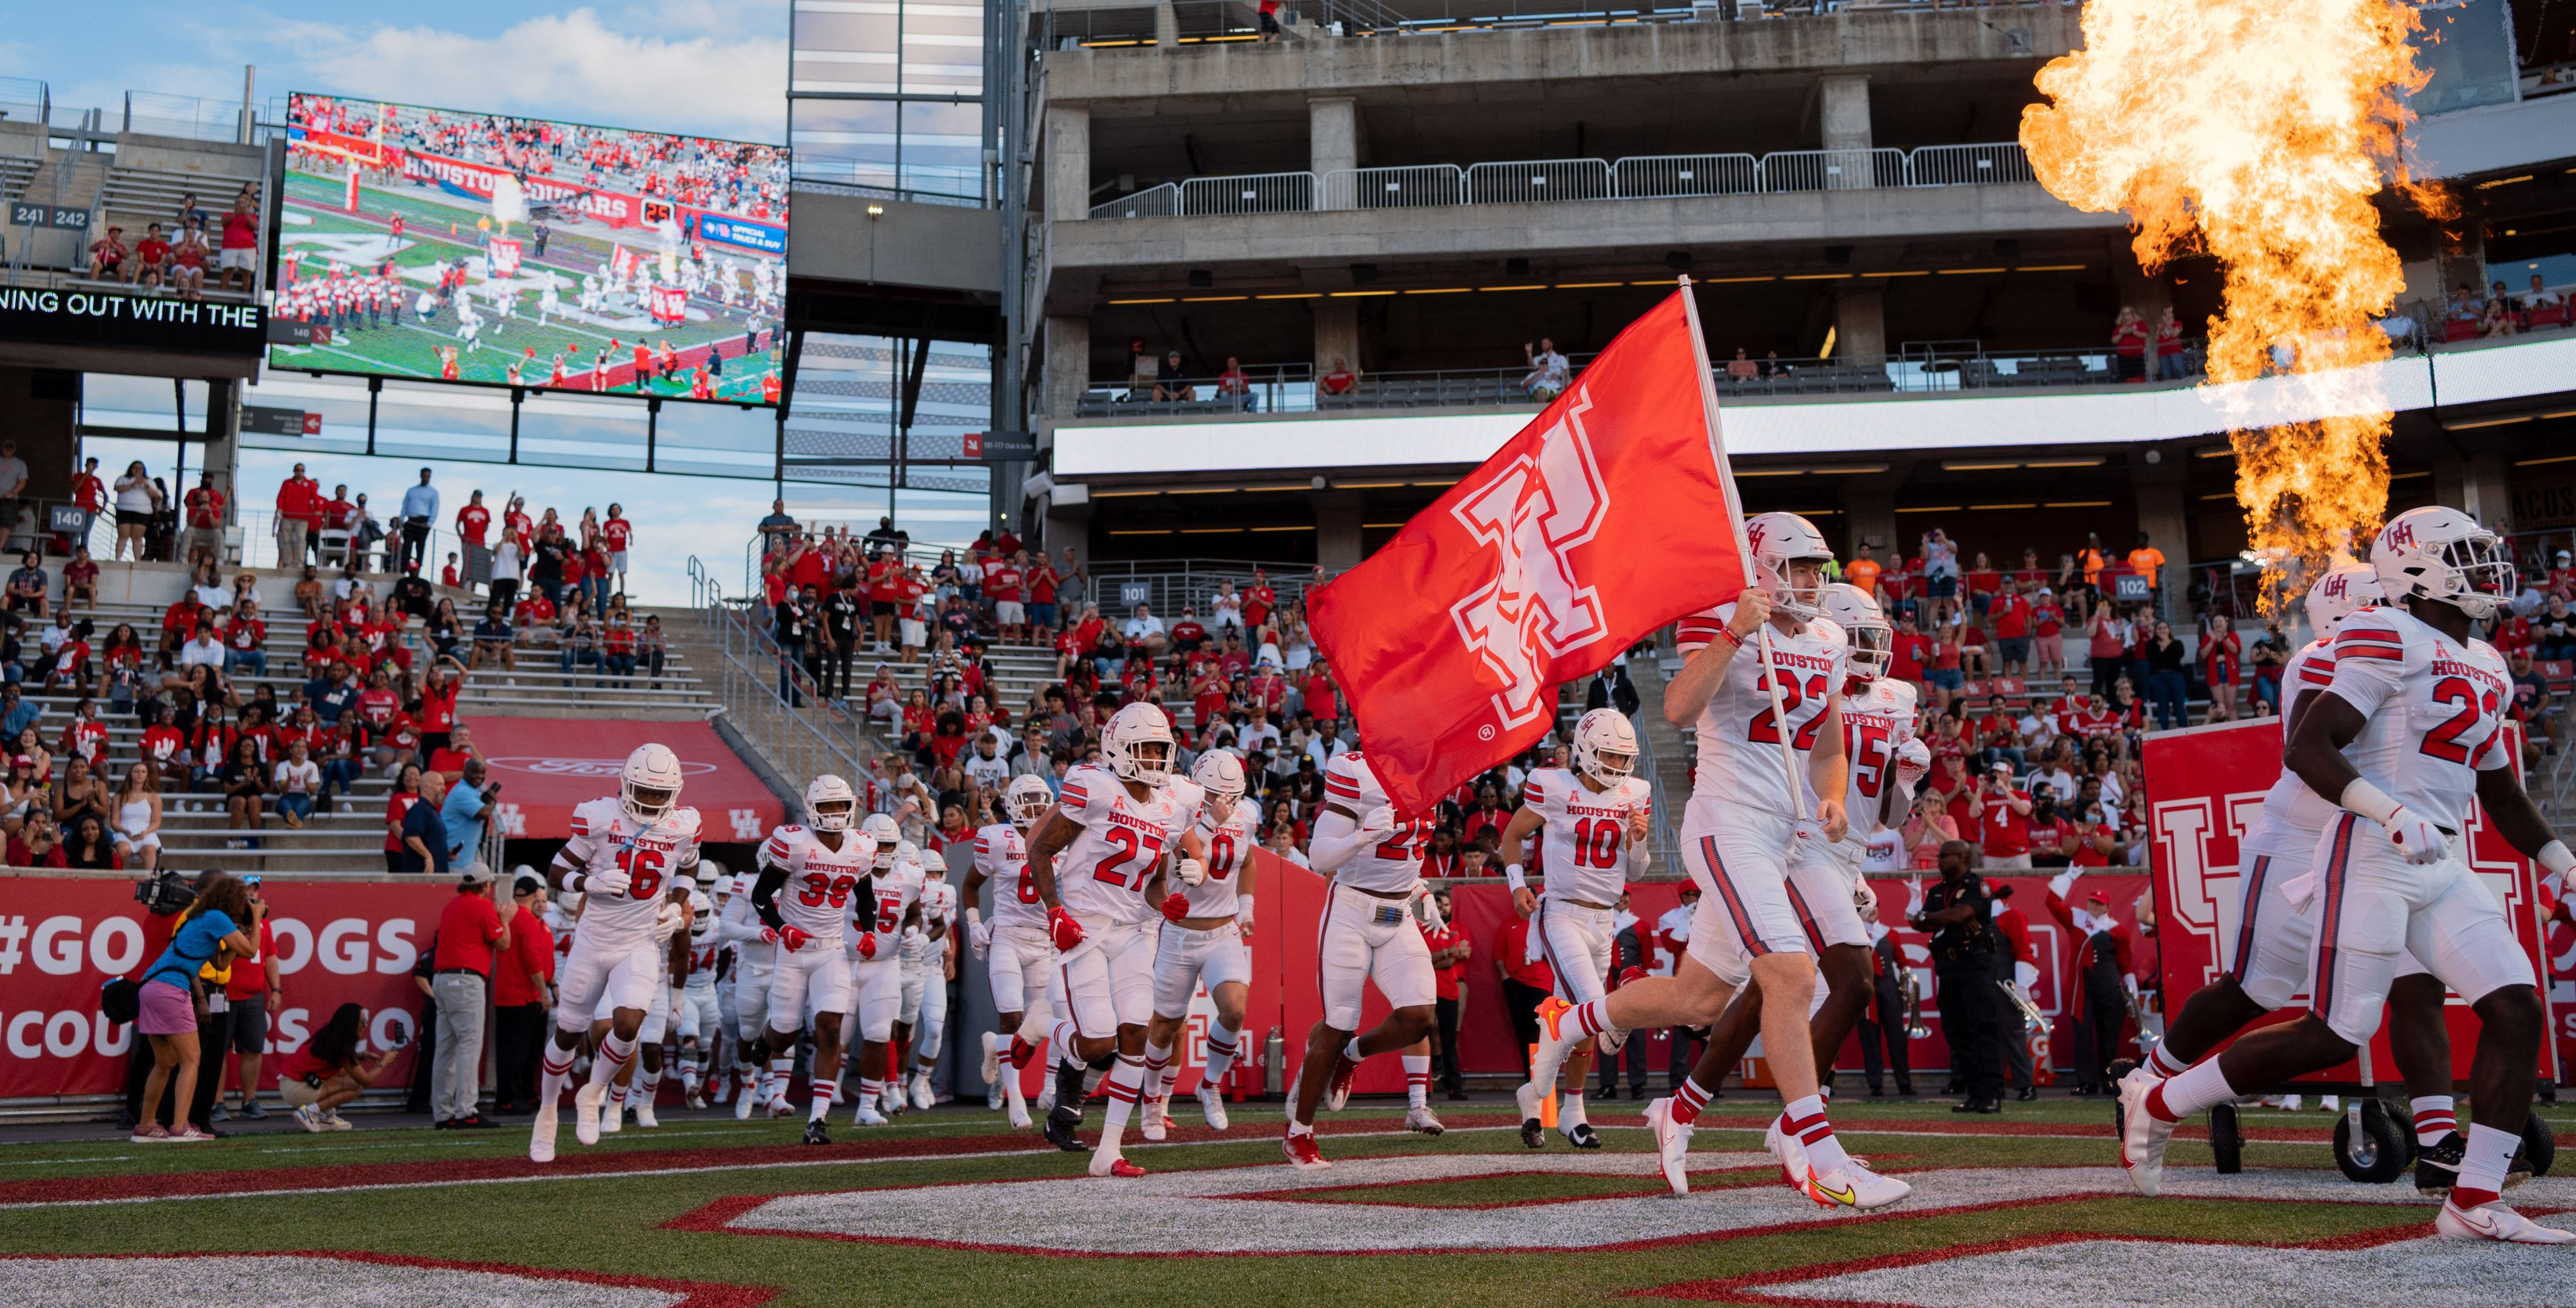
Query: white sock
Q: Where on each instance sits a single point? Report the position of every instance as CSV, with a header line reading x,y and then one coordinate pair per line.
x,y
1221,1047
780,1069
613,1054
2435,1116
1062,1036
1352,1052
1158,1071
2200,1086
1569,1109
1417,1080
1091,1078
1805,1119
823,1097
556,1070
2161,1061
870,1091
2482,1169
1126,1086
646,1078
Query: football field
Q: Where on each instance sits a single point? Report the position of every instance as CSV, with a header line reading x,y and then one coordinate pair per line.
x,y
321,234
952,1207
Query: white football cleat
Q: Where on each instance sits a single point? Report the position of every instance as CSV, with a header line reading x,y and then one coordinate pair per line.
x,y
1302,1153
1672,1140
1421,1122
2494,1221
1792,1155
1018,1108
585,1111
612,1114
1531,1097
992,1058
644,1119
1154,1123
744,1102
1212,1106
2142,1138
866,1114
541,1133
1853,1187
922,1098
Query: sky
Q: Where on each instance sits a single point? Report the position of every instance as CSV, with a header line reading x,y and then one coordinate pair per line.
x,y
692,66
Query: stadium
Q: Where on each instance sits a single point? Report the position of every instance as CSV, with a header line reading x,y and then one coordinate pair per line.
x,y
1878,652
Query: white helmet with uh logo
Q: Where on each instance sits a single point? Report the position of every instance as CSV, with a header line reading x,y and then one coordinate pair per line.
x,y
1779,539
2338,595
1127,737
881,828
1220,774
829,803
1605,746
648,786
1870,640
2442,554
1027,800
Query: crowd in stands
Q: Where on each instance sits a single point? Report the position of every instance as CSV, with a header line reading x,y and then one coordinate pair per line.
x,y
2501,312
175,257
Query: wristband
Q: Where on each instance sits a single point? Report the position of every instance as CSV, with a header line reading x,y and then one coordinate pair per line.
x,y
580,883
1513,875
974,917
1244,908
1731,638
2369,801
2555,858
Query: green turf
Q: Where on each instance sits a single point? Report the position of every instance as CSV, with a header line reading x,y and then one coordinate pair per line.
x,y
408,349
613,1224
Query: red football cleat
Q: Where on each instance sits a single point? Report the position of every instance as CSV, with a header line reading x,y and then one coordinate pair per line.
x,y
1302,1153
1124,1168
1337,1087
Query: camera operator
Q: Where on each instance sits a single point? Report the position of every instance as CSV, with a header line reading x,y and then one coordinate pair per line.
x,y
210,933
466,812
1958,913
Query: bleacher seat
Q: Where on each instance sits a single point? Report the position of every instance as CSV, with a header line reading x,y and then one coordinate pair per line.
x,y
2560,673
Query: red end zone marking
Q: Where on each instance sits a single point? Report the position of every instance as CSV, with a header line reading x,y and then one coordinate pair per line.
x,y
701,1294
1747,1288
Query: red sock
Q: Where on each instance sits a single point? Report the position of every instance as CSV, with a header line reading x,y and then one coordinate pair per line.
x,y
1688,1100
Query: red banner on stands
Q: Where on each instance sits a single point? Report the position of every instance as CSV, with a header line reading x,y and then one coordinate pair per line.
x,y
549,766
337,943
2208,784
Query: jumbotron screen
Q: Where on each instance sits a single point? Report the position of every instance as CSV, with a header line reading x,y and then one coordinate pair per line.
x,y
437,244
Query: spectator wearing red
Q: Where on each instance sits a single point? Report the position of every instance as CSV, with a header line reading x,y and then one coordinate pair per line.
x,y
2011,615
1450,950
2002,815
470,928
522,998
203,541
617,537
1984,583
2129,344
299,516
107,256
2105,976
1258,600
1005,582
255,995
473,521
1527,982
1340,380
1188,634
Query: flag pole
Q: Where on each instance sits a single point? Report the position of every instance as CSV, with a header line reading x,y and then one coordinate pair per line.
x,y
1743,547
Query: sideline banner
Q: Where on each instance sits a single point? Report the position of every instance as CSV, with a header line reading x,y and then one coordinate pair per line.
x,y
2208,784
549,766
337,943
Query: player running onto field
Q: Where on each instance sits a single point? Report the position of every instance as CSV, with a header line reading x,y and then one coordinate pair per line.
x,y
802,899
631,860
1205,925
2408,735
878,919
1019,959
1592,817
1096,858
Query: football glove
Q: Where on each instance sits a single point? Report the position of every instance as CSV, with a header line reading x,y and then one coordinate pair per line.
x,y
1193,872
1380,821
2417,838
794,937
1176,906
1913,763
1062,929
868,944
979,937
611,881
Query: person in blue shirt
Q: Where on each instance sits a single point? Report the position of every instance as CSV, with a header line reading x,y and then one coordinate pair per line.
x,y
212,931
466,812
419,510
16,712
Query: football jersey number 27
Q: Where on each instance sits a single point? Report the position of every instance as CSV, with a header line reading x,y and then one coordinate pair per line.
x,y
1128,849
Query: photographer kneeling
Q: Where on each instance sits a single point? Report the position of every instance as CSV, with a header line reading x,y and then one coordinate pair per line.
x,y
329,1071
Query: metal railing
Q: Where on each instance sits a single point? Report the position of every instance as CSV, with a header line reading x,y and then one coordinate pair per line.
x,y
1275,388
1640,177
769,698
1170,585
1210,21
195,118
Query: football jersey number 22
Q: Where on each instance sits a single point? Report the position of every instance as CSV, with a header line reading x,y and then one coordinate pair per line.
x,y
1762,732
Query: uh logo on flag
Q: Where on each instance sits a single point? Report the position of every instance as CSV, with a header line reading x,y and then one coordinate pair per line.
x,y
1609,516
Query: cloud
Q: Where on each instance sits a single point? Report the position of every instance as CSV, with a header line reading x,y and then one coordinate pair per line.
x,y
574,66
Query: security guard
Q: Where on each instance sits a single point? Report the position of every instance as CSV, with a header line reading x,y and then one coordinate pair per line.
x,y
1964,942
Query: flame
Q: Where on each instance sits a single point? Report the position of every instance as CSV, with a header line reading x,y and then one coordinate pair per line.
x,y
2258,131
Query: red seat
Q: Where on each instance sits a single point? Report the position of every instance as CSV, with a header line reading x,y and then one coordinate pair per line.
x,y
2459,331
2548,315
2008,686
2559,673
1974,690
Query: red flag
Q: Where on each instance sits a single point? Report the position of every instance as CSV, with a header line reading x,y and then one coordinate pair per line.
x,y
1608,517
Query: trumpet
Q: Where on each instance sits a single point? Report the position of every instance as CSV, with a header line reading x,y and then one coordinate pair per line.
x,y
1914,1027
2031,1018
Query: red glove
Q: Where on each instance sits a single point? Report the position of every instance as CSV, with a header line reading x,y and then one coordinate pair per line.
x,y
1176,907
1061,927
768,937
868,944
794,937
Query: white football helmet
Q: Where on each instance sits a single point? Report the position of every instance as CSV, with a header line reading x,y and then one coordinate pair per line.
x,y
1871,640
1778,539
1027,801
881,828
1220,774
1130,732
2340,594
2442,554
830,803
907,852
1605,746
702,915
648,787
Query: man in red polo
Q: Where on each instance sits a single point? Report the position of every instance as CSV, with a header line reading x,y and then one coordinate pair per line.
x,y
469,928
522,997
299,516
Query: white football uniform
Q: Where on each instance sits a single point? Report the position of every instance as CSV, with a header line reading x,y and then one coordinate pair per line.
x,y
2432,718
1186,959
740,927
611,957
922,955
1744,812
876,984
815,900
1583,856
1823,874
1102,877
1367,937
700,1016
1020,964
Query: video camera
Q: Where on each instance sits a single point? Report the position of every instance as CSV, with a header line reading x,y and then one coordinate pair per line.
x,y
164,893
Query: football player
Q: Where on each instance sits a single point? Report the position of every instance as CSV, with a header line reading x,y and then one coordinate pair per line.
x,y
1020,960
1108,835
1205,923
928,955
2276,860
1757,717
1369,933
2409,734
1592,817
755,948
701,1025
632,859
1834,904
877,921
802,901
